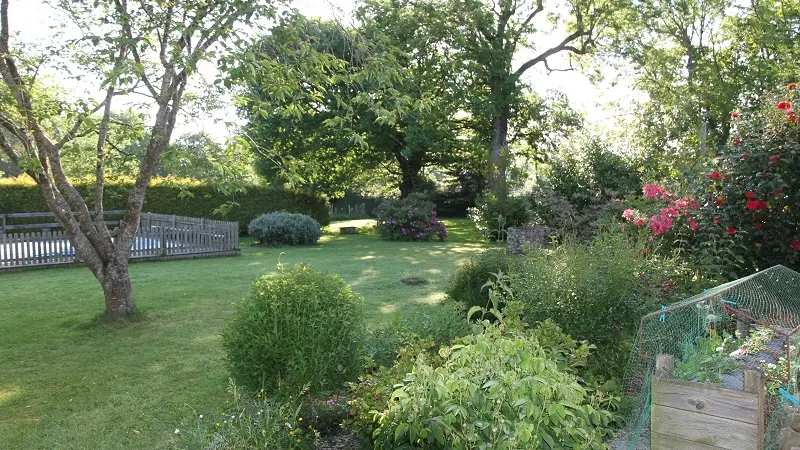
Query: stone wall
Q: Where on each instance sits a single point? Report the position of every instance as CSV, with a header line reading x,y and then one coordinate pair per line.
x,y
525,239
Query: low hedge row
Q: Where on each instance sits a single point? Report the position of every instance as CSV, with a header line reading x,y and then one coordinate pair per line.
x,y
177,196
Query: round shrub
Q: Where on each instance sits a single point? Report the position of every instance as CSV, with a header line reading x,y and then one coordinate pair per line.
x,y
298,327
466,285
283,228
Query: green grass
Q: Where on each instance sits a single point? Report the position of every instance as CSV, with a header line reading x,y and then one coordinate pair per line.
x,y
67,381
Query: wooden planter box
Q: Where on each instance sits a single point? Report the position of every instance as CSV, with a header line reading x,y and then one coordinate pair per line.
x,y
692,416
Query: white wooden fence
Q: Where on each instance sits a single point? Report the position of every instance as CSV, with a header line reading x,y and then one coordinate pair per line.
x,y
159,236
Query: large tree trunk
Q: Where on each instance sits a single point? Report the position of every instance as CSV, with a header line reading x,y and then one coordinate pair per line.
x,y
118,291
498,154
410,169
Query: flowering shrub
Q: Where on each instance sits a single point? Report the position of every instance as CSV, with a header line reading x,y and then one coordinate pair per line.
x,y
409,219
753,191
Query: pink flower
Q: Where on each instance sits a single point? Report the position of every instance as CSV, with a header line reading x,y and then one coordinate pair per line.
x,y
795,244
628,215
670,211
717,220
652,190
682,204
639,222
693,204
660,225
692,224
784,105
774,158
730,230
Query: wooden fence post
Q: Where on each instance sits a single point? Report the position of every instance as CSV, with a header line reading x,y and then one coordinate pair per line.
x,y
754,383
163,240
664,365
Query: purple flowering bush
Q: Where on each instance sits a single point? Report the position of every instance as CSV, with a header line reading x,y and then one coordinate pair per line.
x,y
409,219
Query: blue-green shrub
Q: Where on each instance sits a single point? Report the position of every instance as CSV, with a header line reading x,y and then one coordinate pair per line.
x,y
300,327
283,228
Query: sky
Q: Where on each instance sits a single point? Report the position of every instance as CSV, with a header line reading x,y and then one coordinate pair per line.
x,y
601,103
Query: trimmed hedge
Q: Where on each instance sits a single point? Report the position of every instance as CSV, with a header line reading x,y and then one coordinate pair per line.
x,y
182,197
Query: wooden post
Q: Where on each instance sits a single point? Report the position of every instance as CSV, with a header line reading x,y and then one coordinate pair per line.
x,y
743,327
754,383
664,365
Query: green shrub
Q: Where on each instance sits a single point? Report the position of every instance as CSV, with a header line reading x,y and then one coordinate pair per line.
x,y
300,327
598,291
408,219
492,391
177,196
373,391
250,422
466,284
283,228
493,215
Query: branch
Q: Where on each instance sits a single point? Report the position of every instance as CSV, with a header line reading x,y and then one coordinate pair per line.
x,y
122,8
73,132
561,47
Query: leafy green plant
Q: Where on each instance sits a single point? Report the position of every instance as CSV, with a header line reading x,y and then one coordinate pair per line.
x,y
493,215
493,391
373,391
300,327
409,219
707,359
249,422
283,228
466,285
598,292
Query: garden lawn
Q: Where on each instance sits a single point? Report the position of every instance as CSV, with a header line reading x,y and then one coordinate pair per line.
x,y
67,381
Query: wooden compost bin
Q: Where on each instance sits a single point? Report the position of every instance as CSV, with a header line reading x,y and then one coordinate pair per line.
x,y
692,416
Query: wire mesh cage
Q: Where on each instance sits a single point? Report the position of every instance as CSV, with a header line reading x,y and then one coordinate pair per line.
x,y
749,324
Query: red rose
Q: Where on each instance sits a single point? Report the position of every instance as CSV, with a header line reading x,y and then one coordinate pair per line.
x,y
735,115
784,105
796,244
774,158
791,86
791,117
758,226
717,220
714,175
719,201
752,205
745,156
750,194
730,230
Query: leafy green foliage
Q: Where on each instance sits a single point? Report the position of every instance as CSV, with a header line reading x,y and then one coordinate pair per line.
x,y
409,219
597,292
373,391
178,196
491,391
283,228
249,422
466,285
494,215
707,360
300,327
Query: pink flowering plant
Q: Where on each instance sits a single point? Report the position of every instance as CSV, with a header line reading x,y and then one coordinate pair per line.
x,y
409,219
755,191
677,226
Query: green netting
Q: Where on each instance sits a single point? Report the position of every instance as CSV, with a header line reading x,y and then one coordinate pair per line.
x,y
750,323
